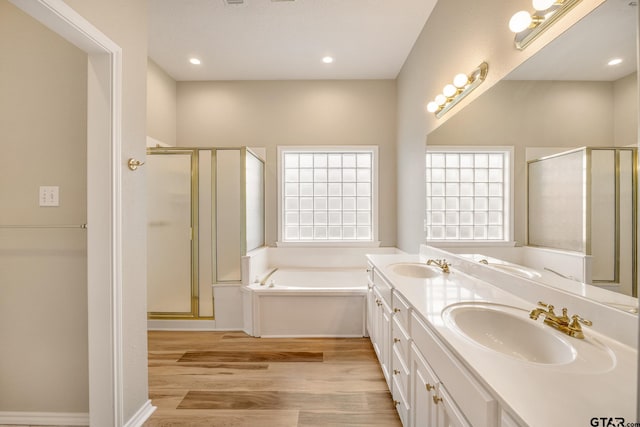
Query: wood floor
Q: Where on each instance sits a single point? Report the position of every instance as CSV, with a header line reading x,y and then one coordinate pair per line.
x,y
231,379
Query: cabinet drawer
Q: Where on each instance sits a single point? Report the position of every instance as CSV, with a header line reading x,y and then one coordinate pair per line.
x,y
383,287
400,338
400,307
400,402
400,371
474,401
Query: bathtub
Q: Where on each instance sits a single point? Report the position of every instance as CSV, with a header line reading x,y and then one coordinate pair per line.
x,y
307,302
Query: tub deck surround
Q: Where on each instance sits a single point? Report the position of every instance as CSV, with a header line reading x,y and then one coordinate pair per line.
x,y
307,302
540,395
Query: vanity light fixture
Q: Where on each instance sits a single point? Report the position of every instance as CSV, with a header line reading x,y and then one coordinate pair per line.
x,y
528,26
462,85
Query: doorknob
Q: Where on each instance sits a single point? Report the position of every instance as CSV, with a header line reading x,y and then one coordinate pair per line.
x,y
133,163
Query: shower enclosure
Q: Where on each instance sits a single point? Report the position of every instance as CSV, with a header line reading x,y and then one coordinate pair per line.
x,y
205,209
585,200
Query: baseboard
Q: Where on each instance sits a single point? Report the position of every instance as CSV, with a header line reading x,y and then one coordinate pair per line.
x,y
45,418
181,325
141,415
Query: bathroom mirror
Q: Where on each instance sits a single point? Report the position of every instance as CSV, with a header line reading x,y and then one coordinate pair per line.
x,y
565,97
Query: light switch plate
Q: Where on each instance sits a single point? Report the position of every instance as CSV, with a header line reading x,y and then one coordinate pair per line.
x,y
49,196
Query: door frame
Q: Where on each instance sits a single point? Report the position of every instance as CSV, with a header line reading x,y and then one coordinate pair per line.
x,y
104,210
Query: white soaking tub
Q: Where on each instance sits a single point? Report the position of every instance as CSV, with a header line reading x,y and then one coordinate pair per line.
x,y
307,302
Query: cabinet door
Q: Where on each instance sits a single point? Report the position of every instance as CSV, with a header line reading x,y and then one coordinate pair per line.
x,y
385,340
381,332
371,312
447,413
423,386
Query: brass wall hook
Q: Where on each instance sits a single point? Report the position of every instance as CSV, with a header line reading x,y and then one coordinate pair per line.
x,y
134,164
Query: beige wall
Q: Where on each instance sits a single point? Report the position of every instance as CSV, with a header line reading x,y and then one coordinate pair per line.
x,y
43,287
271,113
125,22
625,110
161,104
555,114
458,36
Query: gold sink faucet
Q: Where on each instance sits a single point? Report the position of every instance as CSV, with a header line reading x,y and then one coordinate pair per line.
x,y
562,323
442,263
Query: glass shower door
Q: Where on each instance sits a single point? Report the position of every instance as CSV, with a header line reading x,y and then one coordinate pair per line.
x,y
169,235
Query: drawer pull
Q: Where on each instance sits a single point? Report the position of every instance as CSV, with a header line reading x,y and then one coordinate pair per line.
x,y
396,403
430,387
396,310
396,340
436,399
396,372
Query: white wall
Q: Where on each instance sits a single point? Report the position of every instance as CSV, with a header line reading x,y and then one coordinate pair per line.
x,y
161,104
457,37
125,22
625,111
272,113
43,285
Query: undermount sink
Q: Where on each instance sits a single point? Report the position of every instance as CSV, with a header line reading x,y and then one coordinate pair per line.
x,y
509,331
415,270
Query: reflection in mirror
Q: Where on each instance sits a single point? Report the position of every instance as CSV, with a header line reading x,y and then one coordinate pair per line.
x,y
565,97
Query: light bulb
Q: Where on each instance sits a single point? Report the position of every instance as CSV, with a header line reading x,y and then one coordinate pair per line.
x,y
327,59
460,80
195,61
432,107
615,61
449,90
543,4
441,99
520,21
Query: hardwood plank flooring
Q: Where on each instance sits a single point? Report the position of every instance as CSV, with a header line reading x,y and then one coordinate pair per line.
x,y
230,379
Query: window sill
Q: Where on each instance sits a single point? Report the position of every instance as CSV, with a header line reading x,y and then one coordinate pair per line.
x,y
330,244
470,243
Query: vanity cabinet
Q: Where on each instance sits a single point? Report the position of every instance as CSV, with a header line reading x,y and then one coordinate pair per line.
x,y
380,322
452,380
432,405
400,368
429,385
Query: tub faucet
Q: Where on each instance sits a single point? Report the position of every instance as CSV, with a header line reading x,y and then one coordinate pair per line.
x,y
442,263
562,323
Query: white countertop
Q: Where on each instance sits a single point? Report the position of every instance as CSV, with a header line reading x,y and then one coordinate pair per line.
x,y
600,382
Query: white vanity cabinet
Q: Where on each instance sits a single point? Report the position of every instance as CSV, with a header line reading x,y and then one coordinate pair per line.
x,y
432,405
429,385
380,322
457,391
400,357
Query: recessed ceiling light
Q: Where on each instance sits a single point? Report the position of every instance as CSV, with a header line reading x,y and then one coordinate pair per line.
x,y
327,59
615,61
194,61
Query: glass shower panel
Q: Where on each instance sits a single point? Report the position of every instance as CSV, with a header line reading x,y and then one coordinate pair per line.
x,y
603,216
229,215
255,202
557,202
169,233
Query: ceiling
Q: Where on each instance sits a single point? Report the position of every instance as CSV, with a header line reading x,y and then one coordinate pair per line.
x,y
582,52
284,40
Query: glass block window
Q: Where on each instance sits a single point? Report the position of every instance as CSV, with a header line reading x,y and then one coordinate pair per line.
x,y
327,195
468,194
